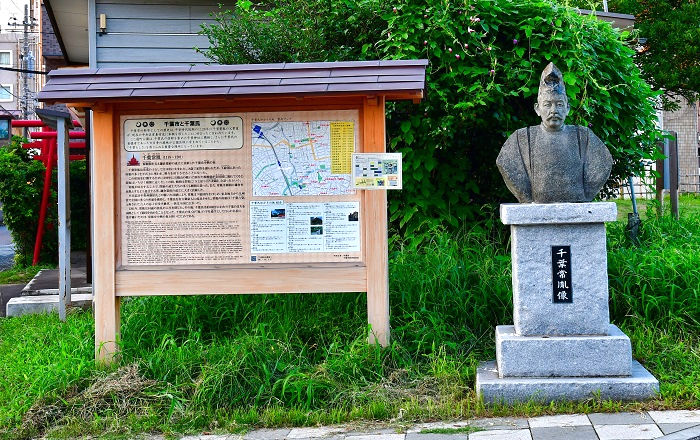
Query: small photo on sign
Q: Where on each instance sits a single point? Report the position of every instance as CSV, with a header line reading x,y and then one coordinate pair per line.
x,y
277,213
317,230
390,167
354,216
317,220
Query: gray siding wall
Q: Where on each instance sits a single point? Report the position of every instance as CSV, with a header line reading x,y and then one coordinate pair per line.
x,y
152,32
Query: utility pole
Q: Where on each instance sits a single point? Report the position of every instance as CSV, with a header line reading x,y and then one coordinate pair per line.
x,y
28,24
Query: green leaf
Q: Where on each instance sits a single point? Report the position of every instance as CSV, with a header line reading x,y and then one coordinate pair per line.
x,y
569,78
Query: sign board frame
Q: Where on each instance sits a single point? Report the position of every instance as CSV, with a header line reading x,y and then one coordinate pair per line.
x,y
111,281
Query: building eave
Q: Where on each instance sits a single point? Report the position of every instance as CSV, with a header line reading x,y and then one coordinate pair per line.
x,y
72,36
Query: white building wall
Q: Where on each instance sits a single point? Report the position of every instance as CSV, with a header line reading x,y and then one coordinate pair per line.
x,y
9,42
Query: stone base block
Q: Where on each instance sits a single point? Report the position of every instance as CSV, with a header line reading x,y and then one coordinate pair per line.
x,y
562,356
640,385
536,229
25,305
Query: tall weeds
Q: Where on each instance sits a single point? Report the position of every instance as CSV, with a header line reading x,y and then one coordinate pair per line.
x,y
300,359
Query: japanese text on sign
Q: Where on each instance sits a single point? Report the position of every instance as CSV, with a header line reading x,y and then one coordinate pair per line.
x,y
342,146
562,291
183,207
280,227
191,133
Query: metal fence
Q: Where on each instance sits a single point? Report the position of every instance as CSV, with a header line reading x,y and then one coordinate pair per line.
x,y
644,186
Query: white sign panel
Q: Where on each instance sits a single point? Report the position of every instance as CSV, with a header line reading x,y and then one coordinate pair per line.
x,y
282,227
189,133
376,171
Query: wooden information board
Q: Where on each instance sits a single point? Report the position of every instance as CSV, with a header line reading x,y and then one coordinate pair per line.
x,y
238,190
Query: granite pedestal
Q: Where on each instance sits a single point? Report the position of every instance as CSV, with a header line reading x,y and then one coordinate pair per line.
x,y
562,345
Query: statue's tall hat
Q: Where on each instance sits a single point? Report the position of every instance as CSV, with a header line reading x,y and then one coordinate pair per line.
x,y
551,80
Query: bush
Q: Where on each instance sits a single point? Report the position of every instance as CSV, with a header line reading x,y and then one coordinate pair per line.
x,y
482,83
295,31
485,63
21,186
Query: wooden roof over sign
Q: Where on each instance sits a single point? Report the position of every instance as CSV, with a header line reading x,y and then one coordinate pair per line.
x,y
396,79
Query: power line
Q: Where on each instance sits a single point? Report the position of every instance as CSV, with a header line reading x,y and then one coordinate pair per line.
x,y
27,24
15,31
9,91
12,69
6,111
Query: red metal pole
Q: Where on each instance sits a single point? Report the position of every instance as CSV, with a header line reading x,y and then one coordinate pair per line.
x,y
35,123
53,134
48,161
46,143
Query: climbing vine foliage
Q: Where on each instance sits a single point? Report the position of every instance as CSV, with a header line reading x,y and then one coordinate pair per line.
x,y
485,60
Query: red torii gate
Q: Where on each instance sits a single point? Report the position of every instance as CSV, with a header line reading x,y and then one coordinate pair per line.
x,y
45,141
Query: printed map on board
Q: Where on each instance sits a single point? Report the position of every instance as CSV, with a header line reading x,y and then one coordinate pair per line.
x,y
298,158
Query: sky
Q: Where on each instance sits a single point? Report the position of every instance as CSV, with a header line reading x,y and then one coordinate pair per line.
x,y
10,8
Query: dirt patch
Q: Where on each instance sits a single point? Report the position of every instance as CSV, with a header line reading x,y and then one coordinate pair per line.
x,y
399,385
121,392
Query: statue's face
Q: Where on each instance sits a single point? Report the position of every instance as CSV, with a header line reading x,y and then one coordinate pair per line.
x,y
553,109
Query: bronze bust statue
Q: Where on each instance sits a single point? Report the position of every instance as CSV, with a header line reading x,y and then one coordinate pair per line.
x,y
553,162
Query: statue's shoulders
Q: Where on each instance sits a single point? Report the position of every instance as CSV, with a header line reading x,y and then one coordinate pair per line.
x,y
586,132
518,132
521,134
580,128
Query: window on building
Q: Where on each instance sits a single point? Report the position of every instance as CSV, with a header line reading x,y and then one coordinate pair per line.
x,y
6,58
6,93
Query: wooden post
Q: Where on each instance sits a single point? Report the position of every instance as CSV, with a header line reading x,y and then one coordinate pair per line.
x,y
103,211
63,151
88,211
376,239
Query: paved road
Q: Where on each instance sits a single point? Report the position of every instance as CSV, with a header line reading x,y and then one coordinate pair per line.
x,y
660,425
7,248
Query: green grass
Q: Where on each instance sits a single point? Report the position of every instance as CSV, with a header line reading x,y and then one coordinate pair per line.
x,y
461,430
229,363
21,274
